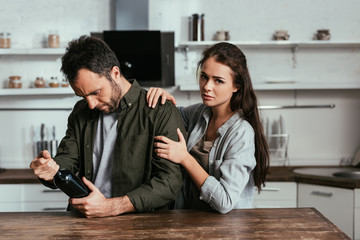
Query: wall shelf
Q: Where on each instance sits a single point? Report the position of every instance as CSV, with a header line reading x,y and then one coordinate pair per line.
x,y
272,44
36,91
286,86
277,84
32,51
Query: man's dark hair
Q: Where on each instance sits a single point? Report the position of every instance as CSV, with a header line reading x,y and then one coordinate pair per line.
x,y
89,53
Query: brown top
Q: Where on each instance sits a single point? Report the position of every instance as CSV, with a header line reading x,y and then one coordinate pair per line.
x,y
201,153
290,223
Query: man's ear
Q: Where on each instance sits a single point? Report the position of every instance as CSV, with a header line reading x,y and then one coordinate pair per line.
x,y
115,73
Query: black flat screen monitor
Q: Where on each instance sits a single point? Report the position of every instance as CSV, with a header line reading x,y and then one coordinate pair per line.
x,y
147,56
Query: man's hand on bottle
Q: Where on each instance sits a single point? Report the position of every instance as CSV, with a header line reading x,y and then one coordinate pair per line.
x,y
44,166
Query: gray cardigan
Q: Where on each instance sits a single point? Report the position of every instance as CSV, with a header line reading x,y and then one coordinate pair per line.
x,y
231,160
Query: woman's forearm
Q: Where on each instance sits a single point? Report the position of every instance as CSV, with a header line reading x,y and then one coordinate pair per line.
x,y
195,170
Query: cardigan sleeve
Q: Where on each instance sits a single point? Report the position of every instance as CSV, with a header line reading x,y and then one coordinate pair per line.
x,y
232,178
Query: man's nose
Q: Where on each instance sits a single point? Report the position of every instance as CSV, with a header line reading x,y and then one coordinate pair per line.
x,y
92,102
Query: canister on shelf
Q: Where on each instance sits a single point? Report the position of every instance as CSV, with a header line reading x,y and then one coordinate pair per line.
x,y
54,82
64,83
15,82
5,40
54,40
202,27
39,82
197,27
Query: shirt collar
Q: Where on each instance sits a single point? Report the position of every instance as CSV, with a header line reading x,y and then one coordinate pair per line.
x,y
221,130
131,96
231,121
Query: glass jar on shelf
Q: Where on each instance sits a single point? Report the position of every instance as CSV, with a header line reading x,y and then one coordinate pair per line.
x,y
5,40
39,82
64,83
15,82
54,82
53,39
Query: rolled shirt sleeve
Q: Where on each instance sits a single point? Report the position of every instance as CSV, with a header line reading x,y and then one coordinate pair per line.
x,y
232,184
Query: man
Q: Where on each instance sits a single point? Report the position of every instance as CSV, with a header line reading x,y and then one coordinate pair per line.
x,y
110,137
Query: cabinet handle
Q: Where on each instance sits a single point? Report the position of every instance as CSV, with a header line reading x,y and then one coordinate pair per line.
x,y
54,209
323,194
51,190
269,189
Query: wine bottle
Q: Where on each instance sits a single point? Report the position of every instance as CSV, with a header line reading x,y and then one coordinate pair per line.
x,y
70,184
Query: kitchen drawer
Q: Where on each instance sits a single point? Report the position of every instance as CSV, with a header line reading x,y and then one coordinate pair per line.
x,y
38,192
44,206
357,224
336,204
357,215
10,207
357,197
275,204
277,190
276,195
10,192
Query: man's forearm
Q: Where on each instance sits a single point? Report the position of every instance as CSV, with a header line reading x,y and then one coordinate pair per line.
x,y
120,205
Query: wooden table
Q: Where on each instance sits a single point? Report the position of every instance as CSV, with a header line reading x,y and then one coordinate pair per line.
x,y
291,223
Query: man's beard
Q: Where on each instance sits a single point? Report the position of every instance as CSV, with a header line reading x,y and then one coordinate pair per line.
x,y
115,97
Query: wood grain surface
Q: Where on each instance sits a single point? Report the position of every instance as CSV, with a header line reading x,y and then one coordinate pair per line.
x,y
289,223
283,174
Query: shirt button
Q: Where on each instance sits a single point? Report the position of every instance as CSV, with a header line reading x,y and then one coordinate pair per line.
x,y
129,104
87,146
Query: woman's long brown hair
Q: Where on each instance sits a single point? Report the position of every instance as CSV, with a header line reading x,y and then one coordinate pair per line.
x,y
244,99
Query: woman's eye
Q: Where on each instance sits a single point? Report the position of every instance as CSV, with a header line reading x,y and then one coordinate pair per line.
x,y
203,77
219,81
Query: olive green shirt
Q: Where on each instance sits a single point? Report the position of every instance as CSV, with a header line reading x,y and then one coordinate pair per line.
x,y
149,181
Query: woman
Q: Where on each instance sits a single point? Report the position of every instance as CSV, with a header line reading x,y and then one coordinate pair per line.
x,y
228,153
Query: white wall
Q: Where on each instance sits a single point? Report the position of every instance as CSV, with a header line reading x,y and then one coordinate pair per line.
x,y
29,23
317,136
258,19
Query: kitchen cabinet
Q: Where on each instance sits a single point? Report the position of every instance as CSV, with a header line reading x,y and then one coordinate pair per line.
x,y
285,65
357,214
336,204
276,195
30,198
10,200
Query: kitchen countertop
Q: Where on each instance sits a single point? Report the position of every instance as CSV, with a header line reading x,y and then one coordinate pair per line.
x,y
282,223
11,176
276,174
286,174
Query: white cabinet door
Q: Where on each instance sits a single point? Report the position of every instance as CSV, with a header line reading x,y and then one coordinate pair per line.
x,y
276,195
336,204
10,197
357,215
37,197
31,197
